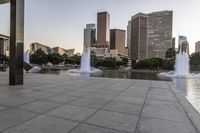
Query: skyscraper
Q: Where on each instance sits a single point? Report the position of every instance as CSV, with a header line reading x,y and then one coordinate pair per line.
x,y
159,33
117,40
103,29
183,44
138,36
197,46
89,35
129,38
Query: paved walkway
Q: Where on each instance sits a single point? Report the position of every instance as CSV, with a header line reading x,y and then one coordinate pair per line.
x,y
62,104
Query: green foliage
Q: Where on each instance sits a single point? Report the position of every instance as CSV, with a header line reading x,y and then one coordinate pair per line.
x,y
65,56
110,63
169,64
3,58
125,62
55,58
76,59
195,61
69,61
155,64
94,59
38,57
170,54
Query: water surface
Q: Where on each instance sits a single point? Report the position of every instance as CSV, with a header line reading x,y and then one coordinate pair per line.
x,y
191,89
114,74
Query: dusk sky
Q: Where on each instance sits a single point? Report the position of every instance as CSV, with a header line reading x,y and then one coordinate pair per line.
x,y
61,22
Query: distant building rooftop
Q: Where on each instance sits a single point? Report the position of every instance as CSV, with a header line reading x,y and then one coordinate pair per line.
x,y
4,36
4,1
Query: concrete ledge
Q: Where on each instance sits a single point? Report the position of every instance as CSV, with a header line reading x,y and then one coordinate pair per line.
x,y
190,111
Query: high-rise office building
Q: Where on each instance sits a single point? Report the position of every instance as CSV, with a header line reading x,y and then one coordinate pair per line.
x,y
138,36
159,33
89,35
183,44
103,29
4,44
197,46
129,38
117,40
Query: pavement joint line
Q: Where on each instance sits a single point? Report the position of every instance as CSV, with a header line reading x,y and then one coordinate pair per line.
x,y
106,127
184,110
39,99
119,112
165,119
34,100
84,121
23,121
162,100
110,100
136,127
39,114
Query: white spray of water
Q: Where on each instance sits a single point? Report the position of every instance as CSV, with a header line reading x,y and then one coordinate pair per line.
x,y
85,65
85,61
27,57
35,69
182,67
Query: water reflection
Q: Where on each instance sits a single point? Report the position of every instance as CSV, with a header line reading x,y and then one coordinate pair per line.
x,y
110,74
191,89
130,75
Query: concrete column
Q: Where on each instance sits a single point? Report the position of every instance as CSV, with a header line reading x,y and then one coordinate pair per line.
x,y
16,42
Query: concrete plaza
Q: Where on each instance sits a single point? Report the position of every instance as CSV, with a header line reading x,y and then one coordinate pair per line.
x,y
62,104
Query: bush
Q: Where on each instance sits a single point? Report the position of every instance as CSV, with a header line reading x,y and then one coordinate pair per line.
x,y
155,64
110,63
195,61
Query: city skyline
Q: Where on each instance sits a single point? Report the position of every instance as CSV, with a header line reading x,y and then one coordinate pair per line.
x,y
57,24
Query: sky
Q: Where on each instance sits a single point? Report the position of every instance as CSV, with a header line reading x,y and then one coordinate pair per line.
x,y
61,22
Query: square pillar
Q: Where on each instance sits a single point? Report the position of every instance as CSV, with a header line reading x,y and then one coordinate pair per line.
x,y
16,42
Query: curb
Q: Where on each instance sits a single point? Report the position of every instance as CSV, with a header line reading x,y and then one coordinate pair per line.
x,y
190,111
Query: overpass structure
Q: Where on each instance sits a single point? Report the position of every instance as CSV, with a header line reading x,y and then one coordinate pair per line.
x,y
16,75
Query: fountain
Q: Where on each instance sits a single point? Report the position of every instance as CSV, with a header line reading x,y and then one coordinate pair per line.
x,y
182,66
85,61
27,66
182,63
85,67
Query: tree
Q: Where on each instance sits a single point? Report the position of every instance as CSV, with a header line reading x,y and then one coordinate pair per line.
x,y
151,64
38,57
168,64
3,58
125,62
93,58
195,61
170,54
76,59
65,56
55,58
